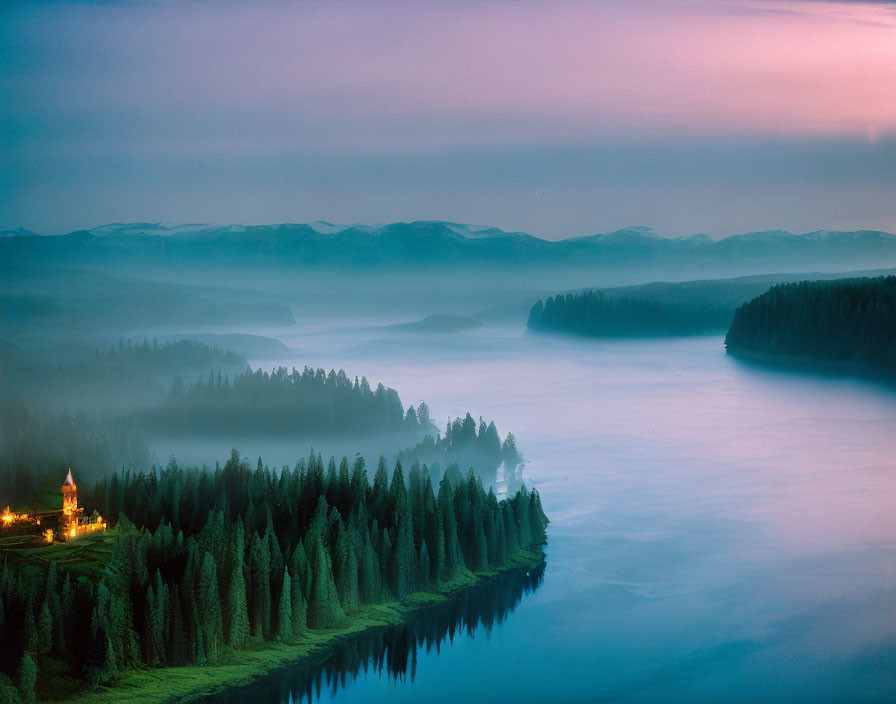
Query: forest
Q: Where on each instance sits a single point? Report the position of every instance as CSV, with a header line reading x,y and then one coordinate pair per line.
x,y
119,407
462,445
281,401
206,563
597,314
394,651
850,320
38,444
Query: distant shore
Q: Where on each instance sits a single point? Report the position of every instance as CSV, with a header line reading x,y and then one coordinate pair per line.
x,y
845,369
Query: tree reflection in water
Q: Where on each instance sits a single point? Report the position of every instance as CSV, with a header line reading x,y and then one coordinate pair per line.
x,y
393,650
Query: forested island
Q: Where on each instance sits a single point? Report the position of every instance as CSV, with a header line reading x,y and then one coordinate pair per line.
x,y
242,567
847,320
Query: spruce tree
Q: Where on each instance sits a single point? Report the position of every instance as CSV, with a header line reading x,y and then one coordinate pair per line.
x,y
44,629
238,615
209,608
27,679
324,609
284,611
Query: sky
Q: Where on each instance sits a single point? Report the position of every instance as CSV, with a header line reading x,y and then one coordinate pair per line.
x,y
558,119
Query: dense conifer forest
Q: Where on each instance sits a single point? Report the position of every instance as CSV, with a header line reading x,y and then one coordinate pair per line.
x,y
843,320
394,651
462,445
179,357
204,563
36,447
281,401
595,314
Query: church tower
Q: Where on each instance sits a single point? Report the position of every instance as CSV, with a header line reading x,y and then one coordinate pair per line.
x,y
69,495
71,514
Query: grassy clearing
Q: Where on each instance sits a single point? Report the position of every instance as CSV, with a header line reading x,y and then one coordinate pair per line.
x,y
86,556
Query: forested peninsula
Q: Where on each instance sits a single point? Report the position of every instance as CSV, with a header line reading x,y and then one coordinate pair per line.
x,y
240,570
117,408
846,320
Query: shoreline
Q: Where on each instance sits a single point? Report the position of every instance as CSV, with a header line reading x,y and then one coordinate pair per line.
x,y
847,369
191,683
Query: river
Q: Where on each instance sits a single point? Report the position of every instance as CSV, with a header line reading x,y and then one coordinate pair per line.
x,y
719,531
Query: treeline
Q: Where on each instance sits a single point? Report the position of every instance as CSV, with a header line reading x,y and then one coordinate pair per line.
x,y
207,562
842,320
118,379
142,380
593,313
181,357
280,402
464,445
36,449
393,650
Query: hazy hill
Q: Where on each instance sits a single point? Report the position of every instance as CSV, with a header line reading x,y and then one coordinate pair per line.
x,y
660,308
638,254
55,299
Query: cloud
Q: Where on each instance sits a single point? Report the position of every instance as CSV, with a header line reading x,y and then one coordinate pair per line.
x,y
339,110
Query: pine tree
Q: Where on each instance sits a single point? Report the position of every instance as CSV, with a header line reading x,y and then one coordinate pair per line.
x,y
284,612
324,609
238,616
299,617
260,603
8,692
209,608
44,629
423,566
27,679
30,636
177,653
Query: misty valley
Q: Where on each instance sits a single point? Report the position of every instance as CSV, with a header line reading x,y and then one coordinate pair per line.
x,y
300,462
443,352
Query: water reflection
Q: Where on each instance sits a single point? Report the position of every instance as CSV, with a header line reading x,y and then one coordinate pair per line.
x,y
392,651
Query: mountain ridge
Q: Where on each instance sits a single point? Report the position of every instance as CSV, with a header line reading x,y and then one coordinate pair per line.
x,y
467,231
634,254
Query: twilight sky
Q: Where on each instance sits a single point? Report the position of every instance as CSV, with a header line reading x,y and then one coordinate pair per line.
x,y
560,118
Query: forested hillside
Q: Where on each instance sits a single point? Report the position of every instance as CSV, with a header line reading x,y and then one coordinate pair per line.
x,y
203,563
107,413
844,320
282,401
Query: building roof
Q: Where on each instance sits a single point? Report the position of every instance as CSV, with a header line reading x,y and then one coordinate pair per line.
x,y
69,479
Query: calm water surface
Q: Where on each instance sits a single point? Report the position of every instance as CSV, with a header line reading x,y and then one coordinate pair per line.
x,y
720,532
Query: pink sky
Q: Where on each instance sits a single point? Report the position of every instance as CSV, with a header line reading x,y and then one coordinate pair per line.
x,y
149,86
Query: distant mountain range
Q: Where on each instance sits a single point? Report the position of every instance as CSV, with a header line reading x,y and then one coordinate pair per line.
x,y
635,254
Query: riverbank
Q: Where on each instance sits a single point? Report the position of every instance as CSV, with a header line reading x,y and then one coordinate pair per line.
x,y
178,685
814,366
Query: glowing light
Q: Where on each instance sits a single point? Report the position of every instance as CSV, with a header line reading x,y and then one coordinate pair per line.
x,y
48,535
8,517
72,533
